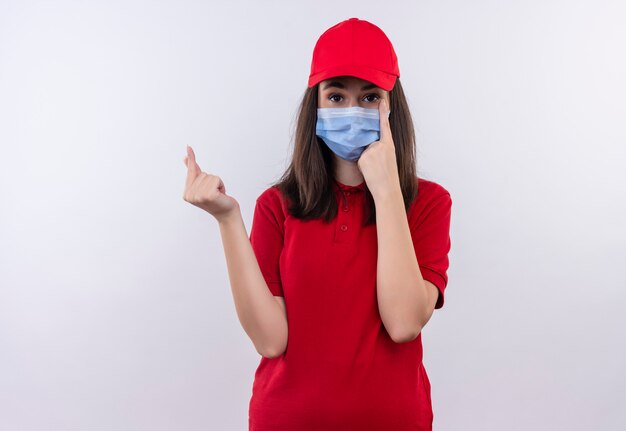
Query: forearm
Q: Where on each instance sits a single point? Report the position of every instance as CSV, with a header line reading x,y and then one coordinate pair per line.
x,y
401,292
259,314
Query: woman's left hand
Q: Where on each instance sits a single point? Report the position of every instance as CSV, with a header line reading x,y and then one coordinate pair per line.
x,y
378,162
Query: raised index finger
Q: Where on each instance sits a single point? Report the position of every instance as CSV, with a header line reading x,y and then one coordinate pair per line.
x,y
193,170
385,128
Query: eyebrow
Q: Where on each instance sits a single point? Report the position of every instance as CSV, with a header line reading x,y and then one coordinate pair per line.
x,y
340,85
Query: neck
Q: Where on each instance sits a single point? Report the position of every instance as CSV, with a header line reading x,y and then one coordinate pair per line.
x,y
347,172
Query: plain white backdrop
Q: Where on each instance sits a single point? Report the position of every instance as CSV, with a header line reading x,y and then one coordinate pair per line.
x,y
115,307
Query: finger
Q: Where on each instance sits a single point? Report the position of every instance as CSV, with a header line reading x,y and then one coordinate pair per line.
x,y
206,184
385,128
186,162
193,170
217,183
212,182
196,165
203,179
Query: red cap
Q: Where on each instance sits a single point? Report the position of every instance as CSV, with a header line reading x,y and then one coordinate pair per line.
x,y
355,47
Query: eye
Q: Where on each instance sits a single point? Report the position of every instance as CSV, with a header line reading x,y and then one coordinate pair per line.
x,y
374,95
333,95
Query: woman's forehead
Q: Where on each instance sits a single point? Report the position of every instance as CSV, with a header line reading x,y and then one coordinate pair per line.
x,y
348,81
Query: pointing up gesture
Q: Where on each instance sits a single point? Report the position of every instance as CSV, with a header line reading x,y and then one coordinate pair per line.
x,y
378,162
207,191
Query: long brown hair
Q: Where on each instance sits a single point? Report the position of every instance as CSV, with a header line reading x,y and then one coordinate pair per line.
x,y
307,183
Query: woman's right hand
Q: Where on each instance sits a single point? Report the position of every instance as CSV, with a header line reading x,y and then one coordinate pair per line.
x,y
207,191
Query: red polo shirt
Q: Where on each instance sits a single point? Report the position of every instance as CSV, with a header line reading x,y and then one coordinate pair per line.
x,y
341,370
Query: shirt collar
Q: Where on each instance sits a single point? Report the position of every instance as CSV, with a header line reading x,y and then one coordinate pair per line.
x,y
345,187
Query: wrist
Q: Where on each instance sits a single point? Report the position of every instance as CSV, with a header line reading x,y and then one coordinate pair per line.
x,y
231,217
391,194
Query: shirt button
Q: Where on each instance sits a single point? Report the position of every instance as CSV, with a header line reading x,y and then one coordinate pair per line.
x,y
345,209
347,193
344,227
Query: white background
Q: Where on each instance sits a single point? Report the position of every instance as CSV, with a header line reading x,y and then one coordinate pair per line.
x,y
115,307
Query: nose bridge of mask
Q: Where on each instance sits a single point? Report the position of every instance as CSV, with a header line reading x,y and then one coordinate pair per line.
x,y
351,111
349,120
356,113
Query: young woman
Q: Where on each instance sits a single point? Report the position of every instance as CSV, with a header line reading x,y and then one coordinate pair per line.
x,y
348,253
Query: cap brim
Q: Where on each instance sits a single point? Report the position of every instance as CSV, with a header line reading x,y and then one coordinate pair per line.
x,y
384,80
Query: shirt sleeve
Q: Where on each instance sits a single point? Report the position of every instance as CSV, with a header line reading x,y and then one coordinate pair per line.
x,y
266,237
430,231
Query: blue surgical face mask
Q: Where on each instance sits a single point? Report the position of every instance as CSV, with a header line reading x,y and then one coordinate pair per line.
x,y
348,131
